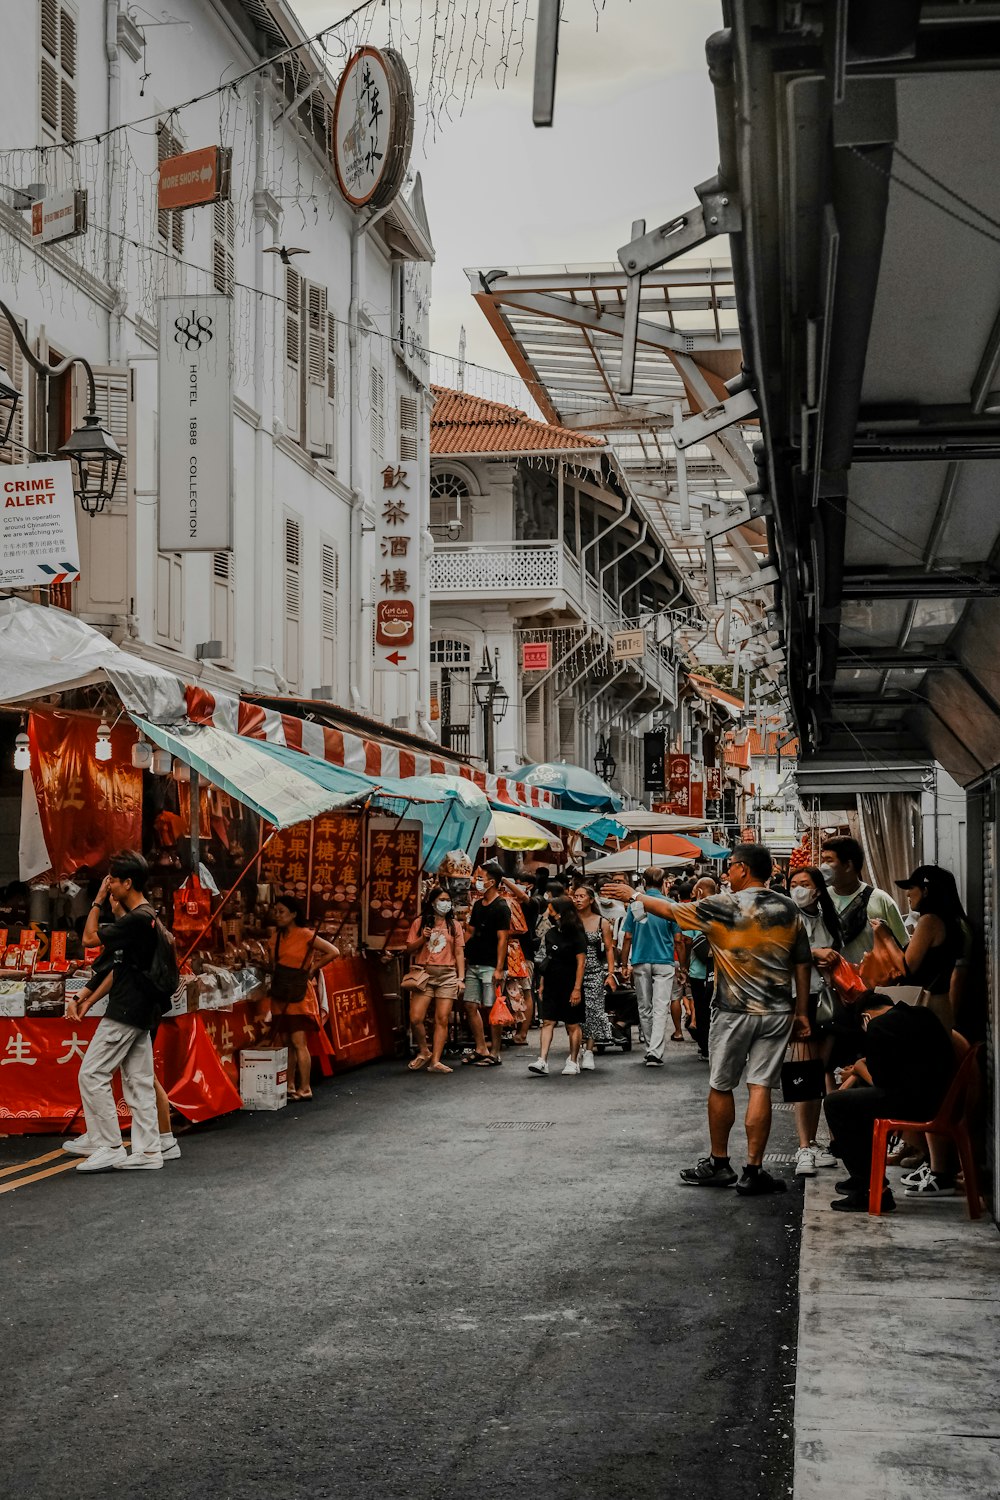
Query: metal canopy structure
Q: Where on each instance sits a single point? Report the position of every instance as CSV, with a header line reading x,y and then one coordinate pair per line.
x,y
564,329
861,142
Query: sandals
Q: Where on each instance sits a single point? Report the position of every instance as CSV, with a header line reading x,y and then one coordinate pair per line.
x,y
486,1060
418,1062
439,1068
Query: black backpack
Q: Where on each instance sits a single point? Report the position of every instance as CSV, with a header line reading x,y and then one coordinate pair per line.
x,y
164,973
854,917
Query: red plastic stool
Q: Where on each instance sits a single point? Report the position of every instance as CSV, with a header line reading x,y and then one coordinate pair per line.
x,y
949,1121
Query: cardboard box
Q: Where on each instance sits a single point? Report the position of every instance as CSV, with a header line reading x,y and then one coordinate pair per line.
x,y
264,1078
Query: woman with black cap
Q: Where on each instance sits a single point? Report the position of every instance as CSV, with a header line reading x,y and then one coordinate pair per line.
x,y
940,941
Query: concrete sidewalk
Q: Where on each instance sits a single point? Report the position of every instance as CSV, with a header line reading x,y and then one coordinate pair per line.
x,y
897,1375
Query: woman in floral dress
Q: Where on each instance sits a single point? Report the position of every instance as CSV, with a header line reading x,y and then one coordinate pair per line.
x,y
598,973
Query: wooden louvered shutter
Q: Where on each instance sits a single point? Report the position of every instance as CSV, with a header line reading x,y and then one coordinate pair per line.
x,y
293,601
293,352
409,440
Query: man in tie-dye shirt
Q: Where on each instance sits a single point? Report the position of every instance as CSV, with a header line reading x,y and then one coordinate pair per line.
x,y
762,966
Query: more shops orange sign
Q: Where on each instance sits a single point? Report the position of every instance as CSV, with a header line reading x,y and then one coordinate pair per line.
x,y
195,177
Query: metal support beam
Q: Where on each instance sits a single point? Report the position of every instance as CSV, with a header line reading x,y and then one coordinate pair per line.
x,y
550,304
546,58
703,424
970,581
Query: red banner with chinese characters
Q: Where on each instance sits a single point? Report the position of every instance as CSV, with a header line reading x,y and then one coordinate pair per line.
x,y
357,1024
679,783
320,863
89,808
393,881
697,799
713,789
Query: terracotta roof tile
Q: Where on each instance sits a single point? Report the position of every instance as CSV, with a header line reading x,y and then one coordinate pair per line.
x,y
464,424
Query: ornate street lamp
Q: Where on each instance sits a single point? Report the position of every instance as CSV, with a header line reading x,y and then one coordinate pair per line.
x,y
95,456
604,762
492,699
9,397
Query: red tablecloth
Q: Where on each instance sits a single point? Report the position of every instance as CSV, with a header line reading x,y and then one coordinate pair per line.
x,y
195,1055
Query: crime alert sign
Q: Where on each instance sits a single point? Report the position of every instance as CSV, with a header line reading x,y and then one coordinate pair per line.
x,y
38,540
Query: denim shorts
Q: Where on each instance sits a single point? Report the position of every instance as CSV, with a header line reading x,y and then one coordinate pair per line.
x,y
479,986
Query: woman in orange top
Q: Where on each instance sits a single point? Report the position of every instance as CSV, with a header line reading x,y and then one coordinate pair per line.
x,y
296,946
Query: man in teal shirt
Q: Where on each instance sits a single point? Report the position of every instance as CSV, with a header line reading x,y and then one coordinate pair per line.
x,y
648,958
842,861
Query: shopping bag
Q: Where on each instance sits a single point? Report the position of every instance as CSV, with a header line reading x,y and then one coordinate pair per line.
x,y
885,964
847,983
801,1075
500,1015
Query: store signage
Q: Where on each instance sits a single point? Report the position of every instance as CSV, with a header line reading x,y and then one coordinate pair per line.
x,y
654,750
195,424
60,216
38,542
397,563
320,864
195,177
372,127
627,643
714,783
393,885
679,783
536,656
697,799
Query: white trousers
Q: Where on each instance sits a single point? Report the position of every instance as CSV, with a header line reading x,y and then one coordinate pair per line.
x,y
654,987
115,1045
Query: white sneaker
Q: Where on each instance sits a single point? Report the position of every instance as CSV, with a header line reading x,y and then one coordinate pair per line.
x,y
103,1159
570,1068
539,1066
169,1149
78,1145
805,1162
587,1063
918,1176
930,1186
141,1161
823,1157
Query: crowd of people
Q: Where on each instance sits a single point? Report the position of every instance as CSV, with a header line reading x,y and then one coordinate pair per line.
x,y
748,965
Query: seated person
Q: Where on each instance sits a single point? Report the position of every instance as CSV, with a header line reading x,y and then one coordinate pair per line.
x,y
907,1066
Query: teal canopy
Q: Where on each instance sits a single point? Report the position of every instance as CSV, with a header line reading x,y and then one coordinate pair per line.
x,y
595,826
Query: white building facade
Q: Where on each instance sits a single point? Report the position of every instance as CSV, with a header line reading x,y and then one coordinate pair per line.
x,y
328,365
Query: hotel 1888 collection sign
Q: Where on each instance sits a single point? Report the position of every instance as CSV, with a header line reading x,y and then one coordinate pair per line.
x,y
195,424
372,127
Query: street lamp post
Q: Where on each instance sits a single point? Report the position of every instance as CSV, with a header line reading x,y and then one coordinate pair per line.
x,y
604,762
492,699
91,450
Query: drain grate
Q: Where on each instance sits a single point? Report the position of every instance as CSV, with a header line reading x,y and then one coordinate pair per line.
x,y
785,1108
781,1158
519,1124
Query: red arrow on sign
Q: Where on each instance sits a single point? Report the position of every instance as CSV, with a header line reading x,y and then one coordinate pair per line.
x,y
395,658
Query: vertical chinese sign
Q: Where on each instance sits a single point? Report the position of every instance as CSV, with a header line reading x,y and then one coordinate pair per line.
x,y
320,864
679,783
393,892
397,568
714,787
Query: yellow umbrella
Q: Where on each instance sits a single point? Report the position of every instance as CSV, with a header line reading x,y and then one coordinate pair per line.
x,y
514,831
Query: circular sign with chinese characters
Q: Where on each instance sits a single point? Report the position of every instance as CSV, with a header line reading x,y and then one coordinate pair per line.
x,y
372,127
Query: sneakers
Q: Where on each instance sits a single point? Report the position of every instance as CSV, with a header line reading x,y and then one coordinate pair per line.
x,y
756,1184
857,1203
141,1161
169,1149
103,1159
570,1068
539,1067
824,1158
805,1161
914,1178
929,1186
587,1063
78,1145
708,1173
652,1061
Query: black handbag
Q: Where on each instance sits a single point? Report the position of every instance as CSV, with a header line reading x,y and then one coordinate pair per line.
x,y
803,1077
289,986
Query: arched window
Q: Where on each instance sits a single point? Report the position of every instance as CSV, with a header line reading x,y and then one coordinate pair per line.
x,y
451,666
450,653
448,490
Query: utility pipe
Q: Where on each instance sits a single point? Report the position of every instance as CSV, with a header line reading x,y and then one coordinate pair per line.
x,y
656,563
616,560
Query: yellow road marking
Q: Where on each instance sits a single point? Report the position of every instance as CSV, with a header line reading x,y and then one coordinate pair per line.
x,y
36,1161
66,1166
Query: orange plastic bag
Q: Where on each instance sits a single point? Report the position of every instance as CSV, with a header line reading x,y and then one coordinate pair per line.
x,y
847,981
501,1014
885,964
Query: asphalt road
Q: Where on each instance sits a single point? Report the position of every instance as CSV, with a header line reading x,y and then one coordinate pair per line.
x,y
488,1285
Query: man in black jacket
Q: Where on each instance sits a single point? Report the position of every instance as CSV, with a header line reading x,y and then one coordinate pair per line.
x,y
904,1075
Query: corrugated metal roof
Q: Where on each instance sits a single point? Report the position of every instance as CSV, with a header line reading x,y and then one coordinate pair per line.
x,y
464,424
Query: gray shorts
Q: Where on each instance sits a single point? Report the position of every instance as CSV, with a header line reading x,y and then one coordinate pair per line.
x,y
479,986
757,1043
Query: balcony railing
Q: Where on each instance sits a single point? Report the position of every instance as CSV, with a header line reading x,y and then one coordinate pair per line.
x,y
497,567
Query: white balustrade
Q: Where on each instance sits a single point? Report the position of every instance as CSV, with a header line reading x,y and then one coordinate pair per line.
x,y
496,567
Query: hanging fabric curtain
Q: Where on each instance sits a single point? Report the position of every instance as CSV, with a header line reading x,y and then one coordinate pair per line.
x,y
891,834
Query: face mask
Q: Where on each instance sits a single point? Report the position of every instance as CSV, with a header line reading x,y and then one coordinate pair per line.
x,y
479,886
442,908
828,873
802,895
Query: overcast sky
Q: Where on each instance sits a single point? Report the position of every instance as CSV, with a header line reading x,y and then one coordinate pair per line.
x,y
634,131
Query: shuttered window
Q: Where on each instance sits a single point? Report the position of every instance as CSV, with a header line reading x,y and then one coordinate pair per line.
x,y
57,73
223,603
111,396
169,223
223,247
169,605
12,361
377,397
329,586
293,600
293,352
409,447
317,368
